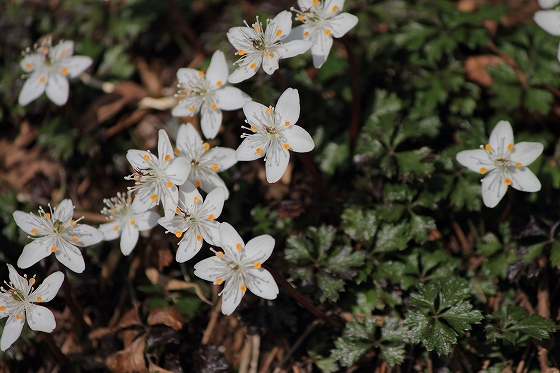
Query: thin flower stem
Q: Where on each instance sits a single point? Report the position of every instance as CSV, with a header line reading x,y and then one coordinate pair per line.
x,y
300,298
281,80
62,359
355,118
70,302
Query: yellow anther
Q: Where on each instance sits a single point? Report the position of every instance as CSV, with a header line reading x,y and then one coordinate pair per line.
x,y
507,181
177,210
186,91
219,281
334,9
518,164
146,157
73,223
205,146
177,151
214,106
39,299
215,167
34,231
306,34
64,71
28,66
241,52
32,281
167,157
258,151
243,288
2,308
197,183
257,265
19,316
132,222
178,233
488,147
42,79
116,228
253,128
287,124
278,32
269,110
47,216
482,170
198,237
75,239
211,217
153,197
300,17
270,54
253,66
191,108
328,32
238,246
196,199
220,254
256,27
316,2
169,184
219,83
286,146
129,200
63,53
201,73
53,249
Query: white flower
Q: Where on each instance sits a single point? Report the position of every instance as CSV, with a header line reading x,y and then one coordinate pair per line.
x,y
125,221
206,162
547,4
239,266
549,21
17,303
57,233
49,68
258,46
157,178
209,94
274,133
322,20
195,220
503,163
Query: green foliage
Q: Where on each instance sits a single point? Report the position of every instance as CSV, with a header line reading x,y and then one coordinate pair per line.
x,y
514,326
318,261
441,313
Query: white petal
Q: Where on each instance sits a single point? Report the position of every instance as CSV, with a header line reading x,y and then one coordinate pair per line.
x,y
189,195
34,251
279,27
136,158
299,139
547,4
230,240
185,75
231,295
129,238
32,88
189,246
261,283
342,23
211,233
251,108
296,34
259,249
224,157
211,120
305,4
501,136
18,281
76,65
63,49
525,180
321,49
213,181
231,98
276,164
143,201
87,235
49,288
239,36
188,138
64,211
288,106
178,170
70,256
40,318
294,48
12,331
475,159
336,3
243,73
57,88
548,20
214,202
32,62
182,110
169,201
109,231
217,72
27,222
247,150
270,64
526,152
165,150
146,220
211,268
493,189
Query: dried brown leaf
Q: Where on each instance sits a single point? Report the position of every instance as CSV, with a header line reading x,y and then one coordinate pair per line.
x,y
131,359
130,318
169,316
475,67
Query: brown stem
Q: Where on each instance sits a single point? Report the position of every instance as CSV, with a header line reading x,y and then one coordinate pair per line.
x,y
355,118
300,298
281,80
62,359
70,301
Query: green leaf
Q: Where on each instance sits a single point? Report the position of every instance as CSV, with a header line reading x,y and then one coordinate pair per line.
x,y
440,338
555,254
466,194
333,156
360,225
391,237
413,164
539,100
348,351
327,365
514,326
420,226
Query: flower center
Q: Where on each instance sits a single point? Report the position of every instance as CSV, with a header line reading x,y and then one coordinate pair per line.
x,y
502,161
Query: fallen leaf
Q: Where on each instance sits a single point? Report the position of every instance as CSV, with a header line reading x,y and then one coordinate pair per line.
x,y
475,67
131,359
152,368
169,316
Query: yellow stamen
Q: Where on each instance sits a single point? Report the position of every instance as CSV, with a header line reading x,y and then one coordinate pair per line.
x,y
34,231
287,124
215,167
64,53
39,299
214,106
253,65
73,223
257,265
133,222
270,54
328,32
53,249
177,210
197,183
177,151
518,164
196,199
219,254
154,197
507,181
116,228
300,17
316,2
219,83
238,246
169,184
253,128
510,147
269,110
306,34
64,71
129,200
201,73
211,217
191,108
2,308
178,233
334,9
42,79
488,147
241,52
32,281
278,32
258,151
286,146
167,157
19,316
47,216
75,239
198,237
219,281
205,146
146,157
28,66
186,91
243,288
482,170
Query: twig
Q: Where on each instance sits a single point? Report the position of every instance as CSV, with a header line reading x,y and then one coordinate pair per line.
x,y
355,117
269,358
296,345
299,298
543,310
62,359
245,355
255,354
213,317
281,80
70,301
467,248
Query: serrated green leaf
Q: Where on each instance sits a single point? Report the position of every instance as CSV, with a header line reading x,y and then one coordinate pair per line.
x,y
392,355
413,164
360,225
490,244
391,237
420,226
417,325
539,100
327,365
440,337
329,287
344,261
347,352
466,194
298,248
